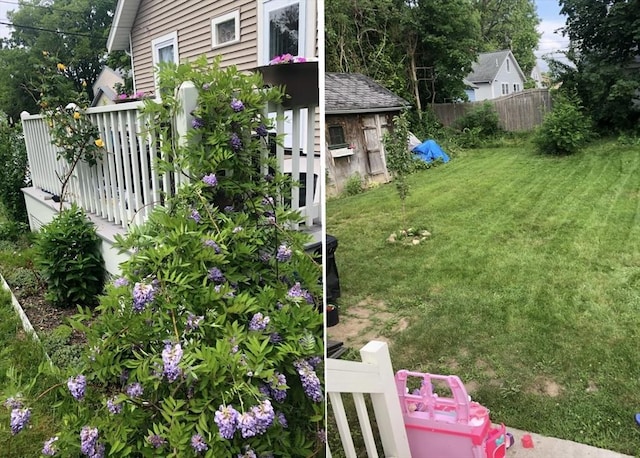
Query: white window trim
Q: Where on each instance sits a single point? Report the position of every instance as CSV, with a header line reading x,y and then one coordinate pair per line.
x,y
264,8
235,15
502,88
156,45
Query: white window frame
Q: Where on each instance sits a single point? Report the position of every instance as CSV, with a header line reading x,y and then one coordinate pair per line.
x,y
235,15
156,45
267,7
504,88
516,87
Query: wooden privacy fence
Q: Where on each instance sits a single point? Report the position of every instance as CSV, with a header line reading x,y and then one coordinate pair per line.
x,y
521,111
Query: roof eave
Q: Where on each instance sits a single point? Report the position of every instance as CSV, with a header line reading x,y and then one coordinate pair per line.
x,y
367,110
123,20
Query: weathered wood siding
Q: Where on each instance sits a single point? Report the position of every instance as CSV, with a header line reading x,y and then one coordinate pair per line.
x,y
191,19
523,111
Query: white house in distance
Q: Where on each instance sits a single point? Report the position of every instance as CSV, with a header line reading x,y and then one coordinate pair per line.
x,y
495,74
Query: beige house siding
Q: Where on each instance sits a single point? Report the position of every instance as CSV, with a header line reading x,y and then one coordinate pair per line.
x,y
191,20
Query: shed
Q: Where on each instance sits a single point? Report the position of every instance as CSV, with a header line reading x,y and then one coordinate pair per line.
x,y
358,111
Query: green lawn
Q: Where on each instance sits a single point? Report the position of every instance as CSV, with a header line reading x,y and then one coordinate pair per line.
x,y
529,287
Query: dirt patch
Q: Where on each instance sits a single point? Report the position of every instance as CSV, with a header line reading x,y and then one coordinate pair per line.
x,y
545,386
486,368
368,320
592,388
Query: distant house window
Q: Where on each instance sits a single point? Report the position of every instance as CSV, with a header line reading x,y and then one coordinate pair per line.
x,y
165,49
225,29
508,65
516,87
284,26
505,88
336,137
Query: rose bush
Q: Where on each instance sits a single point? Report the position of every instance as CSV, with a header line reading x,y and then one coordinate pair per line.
x,y
210,344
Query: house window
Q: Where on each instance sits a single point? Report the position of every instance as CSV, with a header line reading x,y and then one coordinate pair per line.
x,y
516,87
165,49
505,88
508,65
284,28
225,29
336,137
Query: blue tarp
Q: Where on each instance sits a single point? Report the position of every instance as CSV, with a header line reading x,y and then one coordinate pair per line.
x,y
429,151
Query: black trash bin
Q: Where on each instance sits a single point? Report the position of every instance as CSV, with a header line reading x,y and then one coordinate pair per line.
x,y
330,268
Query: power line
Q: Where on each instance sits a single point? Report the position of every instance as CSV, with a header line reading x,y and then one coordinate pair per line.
x,y
50,7
60,32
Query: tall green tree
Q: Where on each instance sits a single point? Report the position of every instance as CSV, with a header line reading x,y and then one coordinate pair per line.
x,y
510,24
75,31
420,49
604,42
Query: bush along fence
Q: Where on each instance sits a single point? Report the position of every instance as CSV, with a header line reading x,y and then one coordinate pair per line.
x,y
522,111
210,344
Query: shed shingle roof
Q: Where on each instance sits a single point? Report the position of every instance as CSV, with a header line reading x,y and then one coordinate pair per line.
x,y
357,93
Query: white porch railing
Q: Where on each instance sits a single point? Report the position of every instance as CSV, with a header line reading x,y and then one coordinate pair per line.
x,y
374,376
125,184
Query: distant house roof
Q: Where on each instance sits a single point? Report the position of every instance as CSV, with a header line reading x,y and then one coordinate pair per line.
x,y
486,68
123,20
356,93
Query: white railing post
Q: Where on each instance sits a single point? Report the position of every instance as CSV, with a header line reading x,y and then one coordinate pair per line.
x,y
187,96
386,404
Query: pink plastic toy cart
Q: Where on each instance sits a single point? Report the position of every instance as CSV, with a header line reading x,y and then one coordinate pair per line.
x,y
443,427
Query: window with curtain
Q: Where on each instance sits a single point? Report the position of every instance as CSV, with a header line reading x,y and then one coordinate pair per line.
x,y
283,28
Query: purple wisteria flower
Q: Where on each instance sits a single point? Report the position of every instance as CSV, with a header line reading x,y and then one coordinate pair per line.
x,y
247,424
113,406
314,361
197,123
13,402
212,244
268,201
171,356
248,453
275,338
309,379
228,209
216,275
143,294
264,416
156,441
322,436
193,321
89,443
77,386
259,322
198,443
284,253
134,390
262,131
278,387
49,449
122,281
19,419
226,417
237,229
237,105
210,180
195,215
235,142
282,419
206,86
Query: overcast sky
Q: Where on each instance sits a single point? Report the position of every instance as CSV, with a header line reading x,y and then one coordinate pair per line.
x,y
551,43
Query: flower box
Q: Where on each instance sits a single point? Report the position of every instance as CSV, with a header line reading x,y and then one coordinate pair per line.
x,y
300,81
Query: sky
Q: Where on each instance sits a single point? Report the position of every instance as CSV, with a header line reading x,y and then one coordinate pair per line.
x,y
551,42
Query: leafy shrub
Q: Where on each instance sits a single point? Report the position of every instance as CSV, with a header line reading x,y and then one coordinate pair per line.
x,y
354,185
482,120
12,230
210,344
68,256
13,170
565,128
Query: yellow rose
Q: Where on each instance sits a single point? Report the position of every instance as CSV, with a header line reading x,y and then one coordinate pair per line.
x,y
62,67
99,143
76,115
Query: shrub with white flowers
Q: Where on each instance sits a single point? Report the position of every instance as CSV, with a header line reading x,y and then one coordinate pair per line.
x,y
210,345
